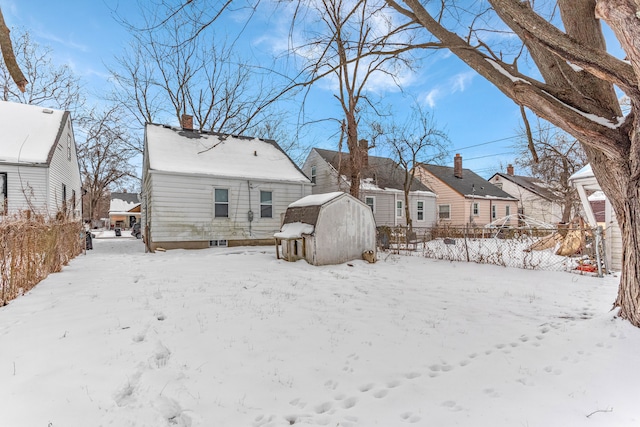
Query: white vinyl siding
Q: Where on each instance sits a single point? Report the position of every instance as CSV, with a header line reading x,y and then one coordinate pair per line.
x,y
181,207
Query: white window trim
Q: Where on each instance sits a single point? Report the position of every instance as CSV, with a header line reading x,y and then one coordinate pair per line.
x,y
424,218
227,203
314,174
444,219
494,212
474,211
266,204
399,208
373,198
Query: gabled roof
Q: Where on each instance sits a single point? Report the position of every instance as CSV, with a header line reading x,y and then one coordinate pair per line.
x,y
471,184
29,133
531,184
380,174
176,150
123,202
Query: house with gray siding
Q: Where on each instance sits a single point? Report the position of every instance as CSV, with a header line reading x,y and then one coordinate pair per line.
x,y
381,187
535,199
203,189
39,170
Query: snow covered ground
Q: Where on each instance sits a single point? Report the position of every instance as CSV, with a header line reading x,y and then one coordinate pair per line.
x,y
233,337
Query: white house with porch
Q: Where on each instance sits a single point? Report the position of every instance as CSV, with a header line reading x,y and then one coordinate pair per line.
x,y
586,184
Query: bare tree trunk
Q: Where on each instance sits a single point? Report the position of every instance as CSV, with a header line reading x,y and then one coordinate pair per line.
x,y
10,57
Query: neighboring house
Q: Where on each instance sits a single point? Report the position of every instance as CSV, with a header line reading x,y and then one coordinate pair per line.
x,y
329,228
534,199
465,197
39,170
588,188
381,187
124,210
202,189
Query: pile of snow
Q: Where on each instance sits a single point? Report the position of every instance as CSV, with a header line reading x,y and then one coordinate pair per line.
x,y
233,337
294,230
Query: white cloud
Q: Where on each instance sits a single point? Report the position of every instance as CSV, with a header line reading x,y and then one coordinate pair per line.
x,y
431,97
461,81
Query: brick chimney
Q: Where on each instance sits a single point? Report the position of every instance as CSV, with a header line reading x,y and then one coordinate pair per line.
x,y
457,166
510,170
364,146
186,122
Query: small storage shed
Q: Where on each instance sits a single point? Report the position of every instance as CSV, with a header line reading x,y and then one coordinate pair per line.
x,y
329,228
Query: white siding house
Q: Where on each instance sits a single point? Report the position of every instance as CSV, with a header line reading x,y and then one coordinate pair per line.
x,y
381,187
202,189
328,228
39,170
585,182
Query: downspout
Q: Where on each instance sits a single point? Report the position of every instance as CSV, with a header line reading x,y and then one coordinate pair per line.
x,y
250,213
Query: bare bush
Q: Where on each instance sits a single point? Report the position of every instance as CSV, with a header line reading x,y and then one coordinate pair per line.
x,y
31,249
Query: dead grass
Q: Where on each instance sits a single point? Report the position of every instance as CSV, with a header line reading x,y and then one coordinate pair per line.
x,y
31,249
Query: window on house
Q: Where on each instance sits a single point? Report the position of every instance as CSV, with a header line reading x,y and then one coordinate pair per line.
x,y
399,208
371,202
507,210
266,204
493,212
444,211
420,210
313,174
3,193
73,203
69,147
221,203
64,198
476,209
498,184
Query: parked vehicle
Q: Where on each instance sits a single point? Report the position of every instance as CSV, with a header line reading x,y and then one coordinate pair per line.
x,y
135,231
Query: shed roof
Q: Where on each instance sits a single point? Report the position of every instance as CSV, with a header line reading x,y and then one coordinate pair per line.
x,y
380,174
29,132
470,183
307,209
197,152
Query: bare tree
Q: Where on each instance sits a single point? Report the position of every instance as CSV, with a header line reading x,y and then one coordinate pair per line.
x,y
104,153
553,156
416,140
50,85
353,43
181,67
576,91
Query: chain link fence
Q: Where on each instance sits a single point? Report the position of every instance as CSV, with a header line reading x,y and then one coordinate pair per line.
x,y
570,248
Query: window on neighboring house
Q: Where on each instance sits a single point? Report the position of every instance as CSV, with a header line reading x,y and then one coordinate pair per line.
x,y
444,211
313,174
221,203
73,203
420,210
476,209
493,212
399,208
498,184
266,204
3,193
69,147
507,210
371,202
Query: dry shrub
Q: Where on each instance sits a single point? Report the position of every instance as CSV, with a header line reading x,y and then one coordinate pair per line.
x,y
31,249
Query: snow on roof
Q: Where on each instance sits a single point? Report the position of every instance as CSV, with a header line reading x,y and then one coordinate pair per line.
x,y
294,230
28,132
193,152
119,205
598,195
585,172
316,199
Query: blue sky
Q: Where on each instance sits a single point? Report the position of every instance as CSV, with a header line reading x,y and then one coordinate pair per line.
x,y
481,123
